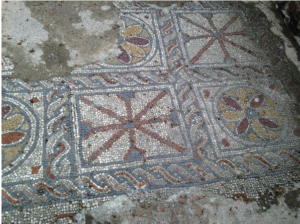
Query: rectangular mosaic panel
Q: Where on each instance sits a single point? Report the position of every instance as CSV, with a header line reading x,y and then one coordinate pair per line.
x,y
127,127
191,100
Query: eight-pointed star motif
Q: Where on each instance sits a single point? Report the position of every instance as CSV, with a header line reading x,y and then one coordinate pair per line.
x,y
220,37
129,126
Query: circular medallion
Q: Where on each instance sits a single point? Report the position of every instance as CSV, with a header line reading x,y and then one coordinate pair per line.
x,y
135,43
19,131
250,114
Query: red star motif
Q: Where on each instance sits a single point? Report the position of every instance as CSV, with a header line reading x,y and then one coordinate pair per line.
x,y
129,125
215,34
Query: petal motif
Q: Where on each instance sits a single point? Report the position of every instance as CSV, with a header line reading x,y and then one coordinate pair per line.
x,y
266,112
267,122
12,123
11,152
231,102
253,137
242,97
136,51
135,59
137,41
222,106
147,49
132,31
5,110
232,116
273,134
124,56
11,137
259,129
270,103
242,127
257,101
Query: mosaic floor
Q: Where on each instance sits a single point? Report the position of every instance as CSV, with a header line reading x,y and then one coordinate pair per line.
x,y
190,101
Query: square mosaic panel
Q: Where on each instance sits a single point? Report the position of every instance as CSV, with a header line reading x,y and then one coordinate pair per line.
x,y
244,117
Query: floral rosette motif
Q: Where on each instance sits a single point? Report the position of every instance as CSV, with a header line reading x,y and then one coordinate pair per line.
x,y
14,131
250,114
134,44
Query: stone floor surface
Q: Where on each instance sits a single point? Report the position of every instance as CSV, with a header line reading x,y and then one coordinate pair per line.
x,y
141,112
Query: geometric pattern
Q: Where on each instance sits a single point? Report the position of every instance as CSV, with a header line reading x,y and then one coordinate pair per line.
x,y
225,36
243,116
138,43
250,113
190,101
131,127
14,131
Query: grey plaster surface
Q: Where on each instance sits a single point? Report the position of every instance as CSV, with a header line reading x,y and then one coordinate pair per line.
x,y
50,39
190,206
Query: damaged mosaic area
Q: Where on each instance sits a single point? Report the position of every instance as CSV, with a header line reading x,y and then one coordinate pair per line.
x,y
191,100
